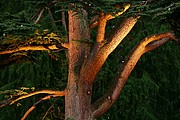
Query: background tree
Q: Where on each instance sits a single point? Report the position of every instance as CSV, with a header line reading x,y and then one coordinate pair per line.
x,y
85,53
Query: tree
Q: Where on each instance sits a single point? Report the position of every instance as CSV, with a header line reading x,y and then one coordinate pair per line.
x,y
86,58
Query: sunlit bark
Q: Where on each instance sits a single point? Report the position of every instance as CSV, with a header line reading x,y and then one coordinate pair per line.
x,y
50,92
36,48
101,51
103,104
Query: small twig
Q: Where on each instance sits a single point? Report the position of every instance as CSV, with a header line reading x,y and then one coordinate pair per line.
x,y
94,22
4,103
52,92
39,16
64,21
34,106
47,112
40,11
33,16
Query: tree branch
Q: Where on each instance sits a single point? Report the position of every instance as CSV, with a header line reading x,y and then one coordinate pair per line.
x,y
34,106
101,28
64,21
5,102
104,103
95,20
101,51
37,48
52,92
39,16
26,48
110,16
47,111
41,11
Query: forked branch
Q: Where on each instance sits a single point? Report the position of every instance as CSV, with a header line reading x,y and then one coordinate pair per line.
x,y
96,19
101,52
102,23
104,103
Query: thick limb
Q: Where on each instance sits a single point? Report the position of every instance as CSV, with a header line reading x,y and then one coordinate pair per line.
x,y
101,51
104,103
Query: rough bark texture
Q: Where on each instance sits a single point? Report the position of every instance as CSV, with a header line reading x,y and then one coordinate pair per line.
x,y
78,98
85,64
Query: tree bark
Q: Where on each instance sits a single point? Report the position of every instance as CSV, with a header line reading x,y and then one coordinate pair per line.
x,y
78,96
85,64
149,43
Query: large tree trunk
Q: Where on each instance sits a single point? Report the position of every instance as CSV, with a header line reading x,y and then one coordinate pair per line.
x,y
83,65
78,96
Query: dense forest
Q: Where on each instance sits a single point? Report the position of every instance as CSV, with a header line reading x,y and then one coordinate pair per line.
x,y
151,91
